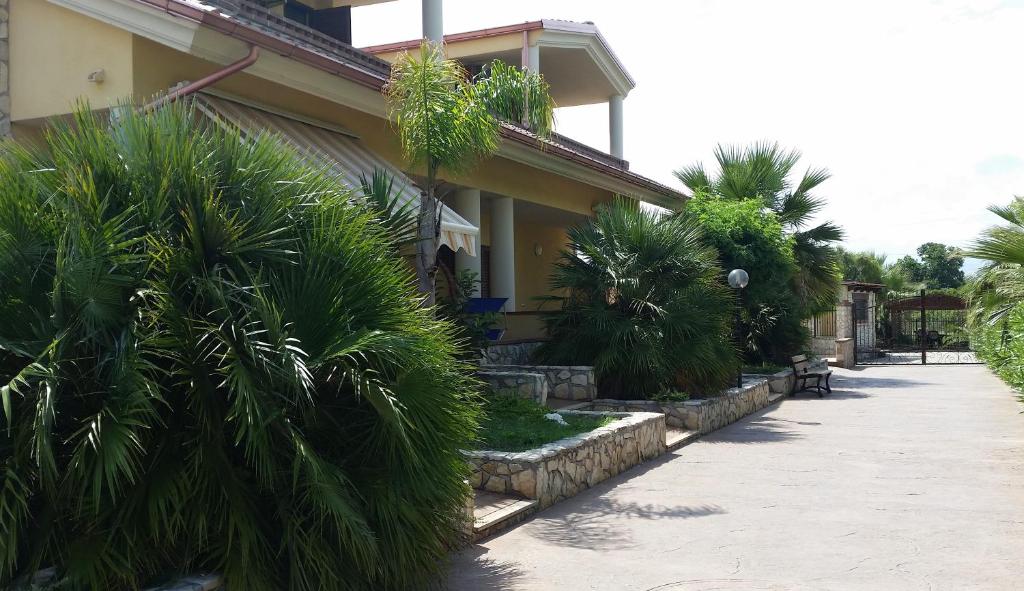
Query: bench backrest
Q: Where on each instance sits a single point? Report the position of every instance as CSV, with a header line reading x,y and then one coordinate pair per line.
x,y
800,364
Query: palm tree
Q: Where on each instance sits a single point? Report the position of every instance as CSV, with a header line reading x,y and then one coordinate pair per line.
x,y
447,122
644,304
211,360
762,171
999,286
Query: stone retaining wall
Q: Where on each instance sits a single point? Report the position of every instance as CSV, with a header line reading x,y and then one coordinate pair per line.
x,y
566,467
510,353
566,382
845,356
823,346
703,415
780,383
532,386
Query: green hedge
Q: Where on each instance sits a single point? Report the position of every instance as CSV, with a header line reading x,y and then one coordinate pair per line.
x,y
1001,346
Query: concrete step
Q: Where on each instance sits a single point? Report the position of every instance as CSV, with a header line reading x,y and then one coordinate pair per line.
x,y
493,513
676,438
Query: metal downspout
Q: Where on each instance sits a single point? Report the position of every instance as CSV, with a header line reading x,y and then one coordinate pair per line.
x,y
234,68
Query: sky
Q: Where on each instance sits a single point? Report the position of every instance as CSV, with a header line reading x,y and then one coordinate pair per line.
x,y
914,106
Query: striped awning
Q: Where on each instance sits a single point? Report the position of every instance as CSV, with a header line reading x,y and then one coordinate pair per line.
x,y
345,154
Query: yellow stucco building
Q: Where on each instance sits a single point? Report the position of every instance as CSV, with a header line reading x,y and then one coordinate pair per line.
x,y
288,65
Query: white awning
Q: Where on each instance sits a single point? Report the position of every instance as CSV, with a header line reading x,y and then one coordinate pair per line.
x,y
346,155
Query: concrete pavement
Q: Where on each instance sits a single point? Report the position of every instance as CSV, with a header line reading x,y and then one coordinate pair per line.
x,y
903,478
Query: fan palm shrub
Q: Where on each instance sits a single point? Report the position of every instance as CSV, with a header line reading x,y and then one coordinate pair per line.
x,y
212,361
644,302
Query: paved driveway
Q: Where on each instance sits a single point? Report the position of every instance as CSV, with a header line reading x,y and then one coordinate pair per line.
x,y
904,478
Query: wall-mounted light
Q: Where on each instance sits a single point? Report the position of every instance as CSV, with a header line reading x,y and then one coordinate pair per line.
x,y
97,76
537,249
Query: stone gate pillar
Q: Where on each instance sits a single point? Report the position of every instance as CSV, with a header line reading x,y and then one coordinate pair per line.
x,y
844,320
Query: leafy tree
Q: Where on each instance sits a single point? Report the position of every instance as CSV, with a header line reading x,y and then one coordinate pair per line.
x,y
762,171
870,267
942,265
866,267
644,304
748,236
446,121
211,360
910,268
939,267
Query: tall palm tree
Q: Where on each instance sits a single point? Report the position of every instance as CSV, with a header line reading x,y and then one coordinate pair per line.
x,y
762,171
448,122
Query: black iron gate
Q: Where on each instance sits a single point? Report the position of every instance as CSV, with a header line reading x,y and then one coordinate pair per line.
x,y
919,329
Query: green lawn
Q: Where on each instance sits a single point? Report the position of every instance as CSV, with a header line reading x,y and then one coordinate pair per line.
x,y
516,424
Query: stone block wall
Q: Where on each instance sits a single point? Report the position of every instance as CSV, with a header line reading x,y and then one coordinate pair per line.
x,y
566,467
845,356
509,354
533,386
780,383
566,382
703,415
823,346
5,74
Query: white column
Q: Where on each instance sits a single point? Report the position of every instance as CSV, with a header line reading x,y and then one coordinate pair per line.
x,y
503,252
533,64
466,202
433,20
615,125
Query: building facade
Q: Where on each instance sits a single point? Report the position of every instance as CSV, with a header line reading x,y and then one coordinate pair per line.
x,y
288,66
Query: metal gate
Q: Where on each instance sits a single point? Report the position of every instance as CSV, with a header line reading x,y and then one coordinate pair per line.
x,y
920,329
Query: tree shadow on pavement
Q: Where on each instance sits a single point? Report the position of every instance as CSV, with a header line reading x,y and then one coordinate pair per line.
x,y
756,427
477,571
596,523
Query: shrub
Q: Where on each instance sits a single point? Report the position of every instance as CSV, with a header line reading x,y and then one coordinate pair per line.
x,y
470,328
214,362
644,304
748,236
1001,346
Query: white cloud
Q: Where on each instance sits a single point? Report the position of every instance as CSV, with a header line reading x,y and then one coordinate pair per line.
x,y
905,102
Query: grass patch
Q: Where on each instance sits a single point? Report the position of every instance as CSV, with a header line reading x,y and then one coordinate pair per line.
x,y
764,368
670,396
517,424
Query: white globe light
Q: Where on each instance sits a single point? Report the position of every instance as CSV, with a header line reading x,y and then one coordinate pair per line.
x,y
738,279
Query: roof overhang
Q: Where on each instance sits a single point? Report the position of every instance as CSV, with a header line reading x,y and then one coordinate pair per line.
x,y
525,148
862,286
575,59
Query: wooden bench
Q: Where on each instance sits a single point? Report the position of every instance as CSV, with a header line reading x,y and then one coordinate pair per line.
x,y
803,374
